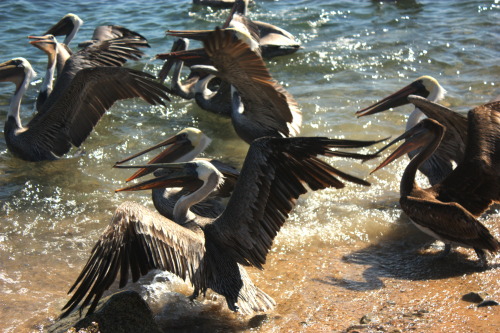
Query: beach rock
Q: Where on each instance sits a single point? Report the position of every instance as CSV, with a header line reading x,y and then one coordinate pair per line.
x,y
488,302
368,318
475,297
123,312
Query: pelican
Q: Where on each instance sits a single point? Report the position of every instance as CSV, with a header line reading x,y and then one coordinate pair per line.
x,y
114,52
70,119
448,210
70,24
452,149
263,38
185,146
268,40
214,99
260,105
212,252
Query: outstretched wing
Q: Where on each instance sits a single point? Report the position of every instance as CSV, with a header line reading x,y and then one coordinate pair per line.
x,y
108,32
93,91
136,241
275,173
244,69
475,183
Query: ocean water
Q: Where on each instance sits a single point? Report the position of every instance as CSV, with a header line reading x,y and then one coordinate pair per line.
x,y
354,53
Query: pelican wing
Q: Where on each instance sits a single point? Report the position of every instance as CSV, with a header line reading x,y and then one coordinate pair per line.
x,y
450,221
84,101
244,69
452,147
475,183
114,52
136,241
107,32
109,52
275,173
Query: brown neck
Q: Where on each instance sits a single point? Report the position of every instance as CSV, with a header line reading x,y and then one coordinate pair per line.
x,y
408,183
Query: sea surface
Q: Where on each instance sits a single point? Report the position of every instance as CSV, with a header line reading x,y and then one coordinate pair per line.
x,y
354,53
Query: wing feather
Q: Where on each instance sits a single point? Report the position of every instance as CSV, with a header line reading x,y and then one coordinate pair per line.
x,y
475,183
136,241
90,94
246,70
275,173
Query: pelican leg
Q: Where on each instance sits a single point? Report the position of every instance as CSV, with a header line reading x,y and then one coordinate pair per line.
x,y
482,256
195,294
446,251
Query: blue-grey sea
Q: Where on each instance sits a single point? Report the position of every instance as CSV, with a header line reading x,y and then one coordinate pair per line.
x,y
354,53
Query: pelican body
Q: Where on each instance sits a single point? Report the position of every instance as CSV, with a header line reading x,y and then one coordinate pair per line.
x,y
213,252
68,120
448,210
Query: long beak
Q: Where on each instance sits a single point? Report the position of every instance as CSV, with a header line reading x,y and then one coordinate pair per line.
x,y
200,35
40,39
415,138
177,177
62,27
8,65
186,55
177,146
399,98
10,72
178,45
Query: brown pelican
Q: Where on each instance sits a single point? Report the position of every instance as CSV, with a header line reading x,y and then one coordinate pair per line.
x,y
69,25
260,106
185,146
208,91
212,252
266,39
448,210
214,99
452,149
114,52
70,119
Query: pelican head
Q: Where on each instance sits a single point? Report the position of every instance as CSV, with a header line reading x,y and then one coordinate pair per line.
x,y
47,43
67,26
186,174
184,146
425,86
17,71
418,136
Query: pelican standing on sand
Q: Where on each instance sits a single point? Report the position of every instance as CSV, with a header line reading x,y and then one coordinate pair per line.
x,y
212,252
448,210
70,119
452,148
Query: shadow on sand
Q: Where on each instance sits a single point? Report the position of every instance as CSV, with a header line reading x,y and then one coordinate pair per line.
x,y
406,253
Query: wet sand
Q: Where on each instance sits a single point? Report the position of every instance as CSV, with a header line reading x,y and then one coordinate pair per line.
x,y
401,284
399,281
